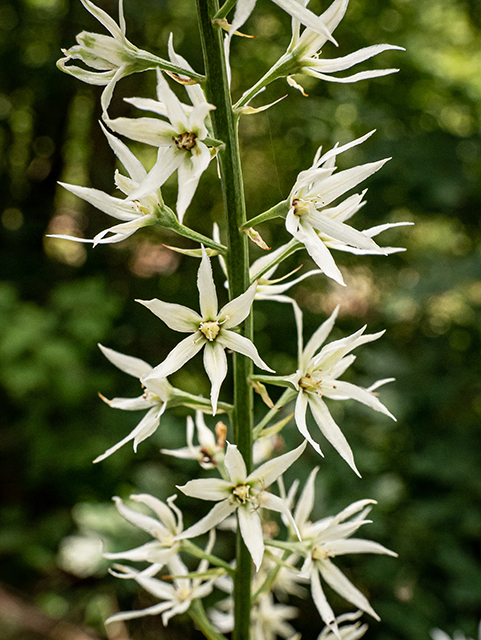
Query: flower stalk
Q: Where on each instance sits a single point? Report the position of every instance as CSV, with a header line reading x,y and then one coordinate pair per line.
x,y
224,123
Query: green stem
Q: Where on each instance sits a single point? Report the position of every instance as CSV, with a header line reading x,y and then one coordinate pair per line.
x,y
189,547
291,247
224,10
270,415
197,613
225,128
281,69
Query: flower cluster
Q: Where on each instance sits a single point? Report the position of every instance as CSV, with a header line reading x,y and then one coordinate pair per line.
x,y
291,554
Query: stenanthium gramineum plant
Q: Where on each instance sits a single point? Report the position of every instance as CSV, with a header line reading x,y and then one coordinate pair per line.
x,y
245,469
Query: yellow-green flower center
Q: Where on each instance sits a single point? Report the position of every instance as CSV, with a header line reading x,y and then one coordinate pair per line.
x,y
242,492
186,140
310,382
210,329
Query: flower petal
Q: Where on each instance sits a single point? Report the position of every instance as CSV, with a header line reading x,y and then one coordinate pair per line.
x,y
215,364
268,472
215,516
318,338
338,581
175,316
207,488
237,310
182,353
331,431
300,417
128,364
251,530
306,500
242,345
235,465
207,292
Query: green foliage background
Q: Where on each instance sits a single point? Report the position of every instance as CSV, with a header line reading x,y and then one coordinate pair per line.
x,y
58,300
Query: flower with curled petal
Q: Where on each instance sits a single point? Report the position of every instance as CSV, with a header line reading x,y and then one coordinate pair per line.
x,y
305,50
346,632
167,524
180,141
175,598
135,214
326,539
316,224
210,330
111,57
156,394
242,493
317,377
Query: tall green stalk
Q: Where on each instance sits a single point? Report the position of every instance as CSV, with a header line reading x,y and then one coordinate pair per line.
x,y
225,129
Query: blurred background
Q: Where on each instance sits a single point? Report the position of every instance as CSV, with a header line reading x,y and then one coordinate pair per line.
x,y
59,299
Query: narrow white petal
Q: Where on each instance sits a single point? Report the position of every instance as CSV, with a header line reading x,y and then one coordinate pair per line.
x,y
306,17
207,489
131,404
237,310
133,366
168,161
115,207
273,502
215,364
215,516
242,11
242,345
251,530
331,431
342,232
361,395
144,429
176,113
338,581
326,65
268,472
327,614
235,464
207,292
306,500
141,520
175,316
182,353
104,18
357,545
319,252
190,171
300,417
318,338
356,77
131,615
133,165
162,511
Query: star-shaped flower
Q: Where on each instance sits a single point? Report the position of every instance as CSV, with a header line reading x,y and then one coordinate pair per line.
x,y
305,49
156,394
163,528
326,539
210,329
112,57
180,140
318,375
176,597
242,493
316,225
135,214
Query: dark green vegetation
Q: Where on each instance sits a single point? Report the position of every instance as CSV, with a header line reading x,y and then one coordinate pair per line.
x,y
57,300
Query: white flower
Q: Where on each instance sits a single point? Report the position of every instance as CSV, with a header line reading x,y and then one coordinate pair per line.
x,y
210,449
346,632
157,393
155,401
176,597
134,214
328,538
210,329
305,50
112,58
268,619
163,529
316,225
295,8
318,375
242,493
180,141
